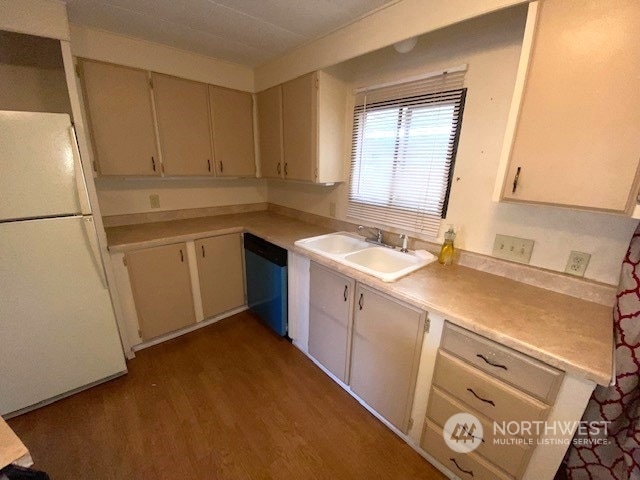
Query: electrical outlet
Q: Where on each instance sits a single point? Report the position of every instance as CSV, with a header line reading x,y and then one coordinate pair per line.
x,y
577,263
513,248
332,209
154,201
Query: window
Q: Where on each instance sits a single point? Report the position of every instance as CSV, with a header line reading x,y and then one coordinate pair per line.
x,y
404,145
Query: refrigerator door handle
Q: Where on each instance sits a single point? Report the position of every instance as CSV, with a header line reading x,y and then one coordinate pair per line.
x,y
92,237
81,185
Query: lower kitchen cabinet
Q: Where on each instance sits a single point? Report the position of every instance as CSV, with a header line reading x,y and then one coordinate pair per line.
x,y
385,352
330,319
221,273
161,286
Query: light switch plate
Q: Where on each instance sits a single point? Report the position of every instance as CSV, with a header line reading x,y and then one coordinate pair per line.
x,y
513,248
577,263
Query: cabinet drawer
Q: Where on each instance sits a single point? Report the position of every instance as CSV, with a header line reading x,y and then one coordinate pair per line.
x,y
464,465
525,373
489,396
512,458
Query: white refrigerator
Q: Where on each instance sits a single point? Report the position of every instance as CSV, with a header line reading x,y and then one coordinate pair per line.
x,y
57,326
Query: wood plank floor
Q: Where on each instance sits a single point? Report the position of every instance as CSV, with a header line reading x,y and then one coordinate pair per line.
x,y
229,401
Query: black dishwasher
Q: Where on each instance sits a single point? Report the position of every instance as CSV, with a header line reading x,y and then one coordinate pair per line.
x,y
266,273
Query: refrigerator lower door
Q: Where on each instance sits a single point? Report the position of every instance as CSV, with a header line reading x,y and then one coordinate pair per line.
x,y
57,327
40,165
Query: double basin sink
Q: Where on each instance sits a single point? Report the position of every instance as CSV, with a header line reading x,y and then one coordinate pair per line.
x,y
384,263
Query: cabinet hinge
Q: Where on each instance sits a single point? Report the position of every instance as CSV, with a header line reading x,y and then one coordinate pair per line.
x,y
638,199
151,83
427,325
124,261
317,82
78,72
315,174
140,333
410,425
95,166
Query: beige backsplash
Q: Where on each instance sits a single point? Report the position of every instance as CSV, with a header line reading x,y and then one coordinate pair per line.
x,y
589,290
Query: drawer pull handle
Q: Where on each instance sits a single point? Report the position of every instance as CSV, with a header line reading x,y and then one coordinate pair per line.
x,y
346,290
361,301
202,251
490,402
181,256
486,360
279,169
468,472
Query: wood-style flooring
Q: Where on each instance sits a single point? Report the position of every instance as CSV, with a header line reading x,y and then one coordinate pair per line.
x,y
229,401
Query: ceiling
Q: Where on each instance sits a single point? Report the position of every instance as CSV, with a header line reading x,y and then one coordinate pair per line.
x,y
248,32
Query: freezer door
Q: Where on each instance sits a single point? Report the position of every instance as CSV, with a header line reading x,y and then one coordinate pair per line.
x,y
57,326
41,169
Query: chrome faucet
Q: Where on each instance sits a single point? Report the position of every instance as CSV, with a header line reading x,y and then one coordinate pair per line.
x,y
377,238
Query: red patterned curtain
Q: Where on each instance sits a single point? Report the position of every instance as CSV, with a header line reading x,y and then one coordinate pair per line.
x,y
618,455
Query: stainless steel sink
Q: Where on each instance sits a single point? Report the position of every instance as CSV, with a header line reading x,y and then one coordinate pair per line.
x,y
384,263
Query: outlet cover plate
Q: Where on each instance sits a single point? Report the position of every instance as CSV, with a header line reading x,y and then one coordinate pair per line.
x,y
514,249
577,263
154,201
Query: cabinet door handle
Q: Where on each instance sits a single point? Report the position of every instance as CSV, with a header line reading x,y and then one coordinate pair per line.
x,y
208,164
153,163
468,472
345,294
181,256
489,362
361,301
221,167
286,170
202,246
278,168
515,180
490,402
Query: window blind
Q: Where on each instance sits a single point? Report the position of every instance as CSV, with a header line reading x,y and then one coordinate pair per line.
x,y
404,143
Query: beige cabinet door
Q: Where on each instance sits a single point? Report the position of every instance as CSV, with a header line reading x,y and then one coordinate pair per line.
x,y
387,340
221,273
182,110
232,129
118,106
300,112
576,143
270,132
330,319
161,286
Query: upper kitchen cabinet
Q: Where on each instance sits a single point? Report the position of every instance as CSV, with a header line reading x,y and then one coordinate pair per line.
x,y
232,130
574,140
270,132
120,115
182,112
314,110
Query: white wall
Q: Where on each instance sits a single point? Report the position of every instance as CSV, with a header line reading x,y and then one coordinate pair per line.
x,y
45,18
33,89
490,46
118,197
393,22
133,52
